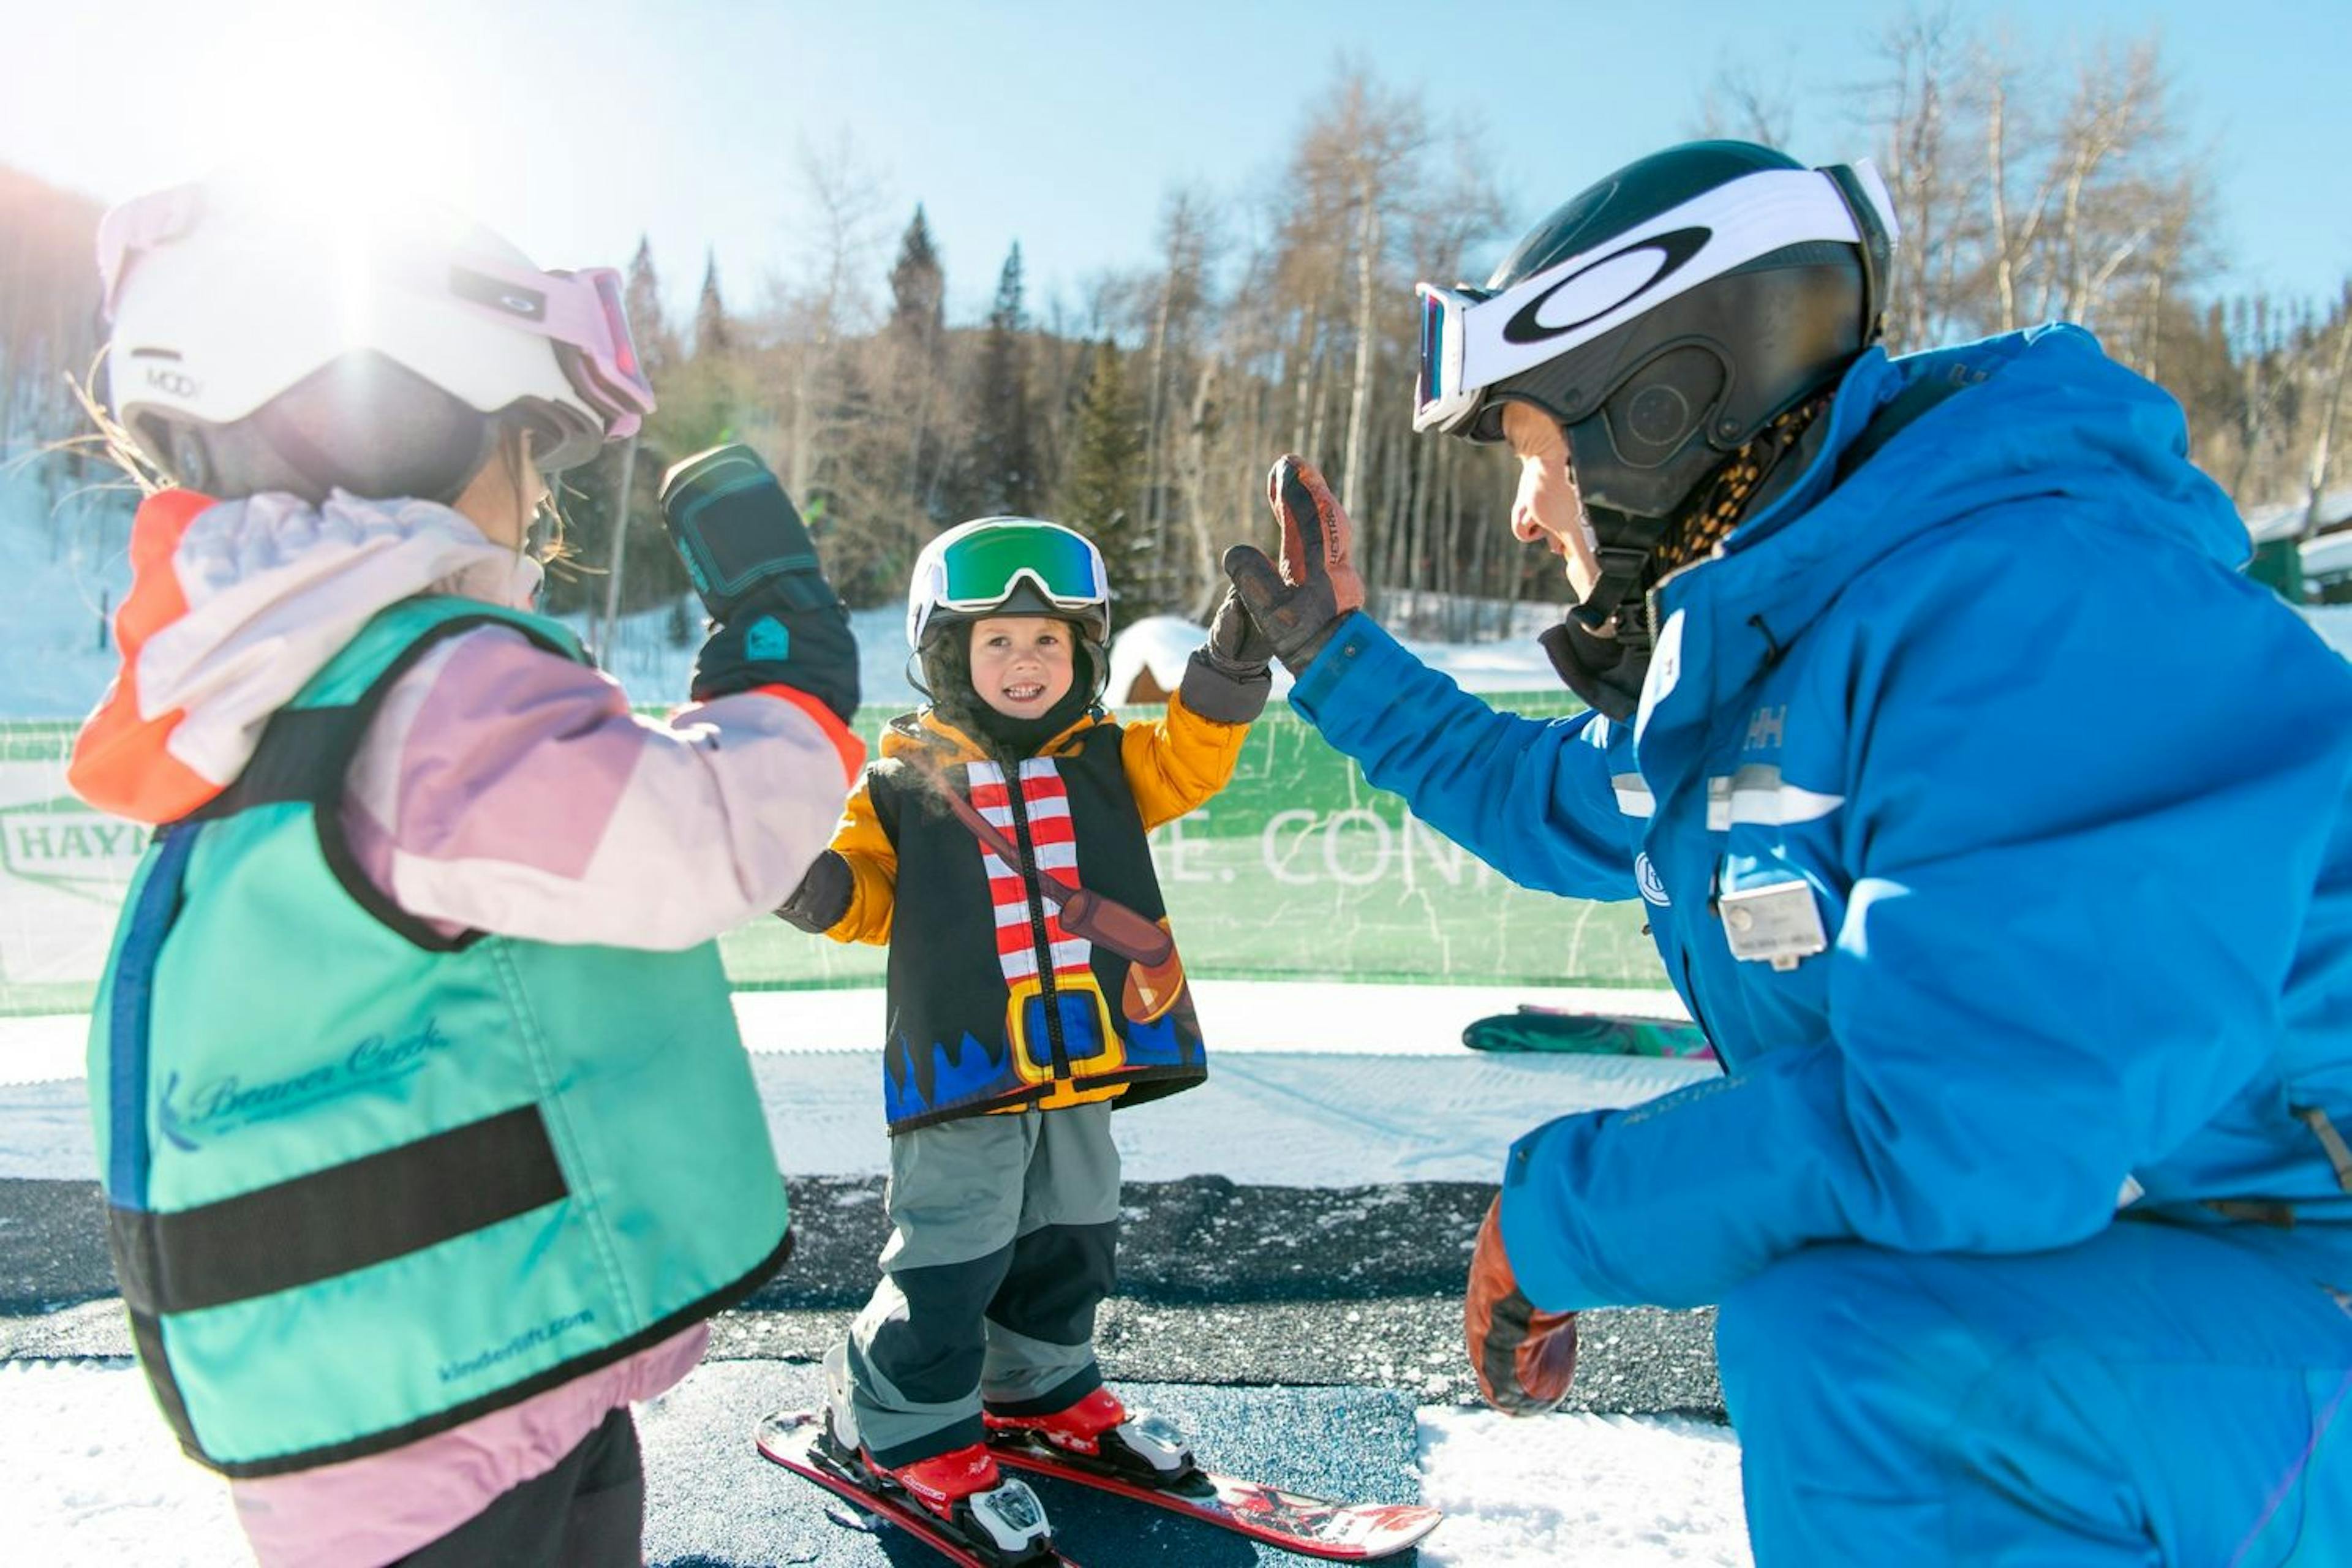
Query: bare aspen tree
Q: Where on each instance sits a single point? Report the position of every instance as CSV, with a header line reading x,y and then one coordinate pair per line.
x,y
842,232
1368,271
2339,364
1741,104
2260,393
2015,156
1922,58
1187,239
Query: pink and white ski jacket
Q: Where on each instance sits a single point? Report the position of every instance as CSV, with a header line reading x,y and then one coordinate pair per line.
x,y
500,788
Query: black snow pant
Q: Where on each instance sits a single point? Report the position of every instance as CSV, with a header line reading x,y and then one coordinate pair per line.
x,y
587,1512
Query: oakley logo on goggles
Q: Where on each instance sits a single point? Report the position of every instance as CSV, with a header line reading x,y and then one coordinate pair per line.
x,y
582,314
977,571
1470,340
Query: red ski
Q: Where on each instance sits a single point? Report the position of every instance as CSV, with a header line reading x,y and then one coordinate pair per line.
x,y
789,1438
1317,1527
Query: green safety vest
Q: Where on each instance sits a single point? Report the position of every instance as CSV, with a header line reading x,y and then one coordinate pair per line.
x,y
365,1181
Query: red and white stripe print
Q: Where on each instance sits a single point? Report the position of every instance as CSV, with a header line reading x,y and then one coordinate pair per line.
x,y
1046,802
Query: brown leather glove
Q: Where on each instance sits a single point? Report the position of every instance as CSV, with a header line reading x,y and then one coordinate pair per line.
x,y
1318,585
1524,1359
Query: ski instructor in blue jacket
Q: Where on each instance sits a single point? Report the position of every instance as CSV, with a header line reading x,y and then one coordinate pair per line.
x,y
1995,829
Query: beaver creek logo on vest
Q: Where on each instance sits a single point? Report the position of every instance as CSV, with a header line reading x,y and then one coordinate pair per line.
x,y
192,1113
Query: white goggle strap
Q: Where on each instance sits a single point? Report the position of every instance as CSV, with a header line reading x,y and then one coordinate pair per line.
x,y
923,596
139,225
1590,294
919,616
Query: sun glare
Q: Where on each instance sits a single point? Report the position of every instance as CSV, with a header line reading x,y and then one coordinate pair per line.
x,y
335,103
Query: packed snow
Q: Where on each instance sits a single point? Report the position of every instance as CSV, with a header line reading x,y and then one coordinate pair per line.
x,y
94,1477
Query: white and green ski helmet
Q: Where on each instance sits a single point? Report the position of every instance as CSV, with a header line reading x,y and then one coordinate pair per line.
x,y
259,342
1008,566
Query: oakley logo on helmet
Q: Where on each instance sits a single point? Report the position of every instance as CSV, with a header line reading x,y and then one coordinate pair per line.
x,y
1609,283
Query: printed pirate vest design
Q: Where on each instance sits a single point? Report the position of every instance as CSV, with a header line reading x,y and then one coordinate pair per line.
x,y
995,1004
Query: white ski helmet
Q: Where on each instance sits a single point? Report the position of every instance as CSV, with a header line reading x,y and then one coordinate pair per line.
x,y
1006,566
258,345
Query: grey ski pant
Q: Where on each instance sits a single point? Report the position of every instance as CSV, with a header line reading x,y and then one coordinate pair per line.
x,y
1003,1237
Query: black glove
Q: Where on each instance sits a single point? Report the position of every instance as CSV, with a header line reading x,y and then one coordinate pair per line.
x,y
823,897
775,620
1318,585
1227,681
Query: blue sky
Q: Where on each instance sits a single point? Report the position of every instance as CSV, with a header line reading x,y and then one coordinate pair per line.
x,y
574,127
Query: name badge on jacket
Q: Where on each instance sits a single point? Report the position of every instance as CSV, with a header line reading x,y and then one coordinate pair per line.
x,y
1777,923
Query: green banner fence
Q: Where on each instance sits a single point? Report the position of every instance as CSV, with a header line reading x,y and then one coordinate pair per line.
x,y
1297,871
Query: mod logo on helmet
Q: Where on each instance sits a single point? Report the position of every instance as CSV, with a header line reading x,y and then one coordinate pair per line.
x,y
173,382
1608,284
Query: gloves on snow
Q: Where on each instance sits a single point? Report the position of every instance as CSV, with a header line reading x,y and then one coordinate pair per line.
x,y
1299,607
1227,681
817,905
1524,1358
775,619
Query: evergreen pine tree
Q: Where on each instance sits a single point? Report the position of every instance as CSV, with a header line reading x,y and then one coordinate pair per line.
x,y
918,289
713,332
586,496
911,369
1101,477
1001,464
657,345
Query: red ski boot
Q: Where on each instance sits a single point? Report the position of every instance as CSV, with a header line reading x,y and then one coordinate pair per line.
x,y
1098,1430
996,1515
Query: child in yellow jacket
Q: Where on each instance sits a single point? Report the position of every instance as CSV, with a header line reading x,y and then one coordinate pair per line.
x,y
998,847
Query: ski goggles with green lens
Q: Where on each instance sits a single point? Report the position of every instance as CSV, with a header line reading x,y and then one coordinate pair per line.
x,y
979,566
1471,339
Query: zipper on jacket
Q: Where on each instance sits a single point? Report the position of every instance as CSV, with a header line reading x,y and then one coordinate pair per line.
x,y
1037,939
1698,1014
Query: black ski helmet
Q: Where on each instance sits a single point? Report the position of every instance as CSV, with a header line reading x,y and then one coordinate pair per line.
x,y
1663,317
1655,401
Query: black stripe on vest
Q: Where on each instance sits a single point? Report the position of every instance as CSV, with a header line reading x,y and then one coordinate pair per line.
x,y
304,755
732,1294
331,1222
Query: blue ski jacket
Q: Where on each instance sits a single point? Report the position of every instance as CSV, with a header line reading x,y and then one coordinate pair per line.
x,y
2031,813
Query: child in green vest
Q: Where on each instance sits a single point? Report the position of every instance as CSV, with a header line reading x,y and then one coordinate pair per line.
x,y
427,1138
997,846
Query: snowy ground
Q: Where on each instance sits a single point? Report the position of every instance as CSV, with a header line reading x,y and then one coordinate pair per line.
x,y
92,1479
88,1475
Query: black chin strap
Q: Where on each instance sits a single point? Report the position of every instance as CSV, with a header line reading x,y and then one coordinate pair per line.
x,y
1625,560
1605,672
